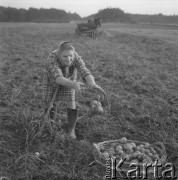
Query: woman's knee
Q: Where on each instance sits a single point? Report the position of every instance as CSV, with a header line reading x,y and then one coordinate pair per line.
x,y
71,105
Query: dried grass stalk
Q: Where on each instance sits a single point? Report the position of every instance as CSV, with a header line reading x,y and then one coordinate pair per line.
x,y
47,119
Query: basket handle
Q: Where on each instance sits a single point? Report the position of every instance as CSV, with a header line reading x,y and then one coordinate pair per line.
x,y
96,147
97,156
160,147
97,150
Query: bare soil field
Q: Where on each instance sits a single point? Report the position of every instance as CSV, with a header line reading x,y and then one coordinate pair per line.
x,y
136,65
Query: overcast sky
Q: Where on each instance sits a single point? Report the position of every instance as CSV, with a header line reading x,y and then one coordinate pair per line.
x,y
88,7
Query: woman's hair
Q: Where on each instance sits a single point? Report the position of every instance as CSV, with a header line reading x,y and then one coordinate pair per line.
x,y
66,45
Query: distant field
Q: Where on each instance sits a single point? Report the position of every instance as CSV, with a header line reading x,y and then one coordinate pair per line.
x,y
165,32
137,66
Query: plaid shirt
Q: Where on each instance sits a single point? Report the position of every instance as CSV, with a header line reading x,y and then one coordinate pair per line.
x,y
54,69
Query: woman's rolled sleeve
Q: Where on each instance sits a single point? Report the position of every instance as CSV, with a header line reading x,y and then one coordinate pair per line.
x,y
83,70
53,69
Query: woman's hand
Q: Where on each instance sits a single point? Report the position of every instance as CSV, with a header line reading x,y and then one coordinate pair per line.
x,y
78,86
98,89
91,84
102,94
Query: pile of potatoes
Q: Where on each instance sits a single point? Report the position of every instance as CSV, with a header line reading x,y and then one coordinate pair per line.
x,y
142,153
96,107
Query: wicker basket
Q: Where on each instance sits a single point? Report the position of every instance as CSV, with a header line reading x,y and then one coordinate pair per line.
x,y
158,146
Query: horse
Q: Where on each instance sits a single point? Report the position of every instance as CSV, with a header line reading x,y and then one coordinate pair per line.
x,y
89,28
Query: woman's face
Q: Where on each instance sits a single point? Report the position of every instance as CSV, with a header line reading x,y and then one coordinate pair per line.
x,y
66,57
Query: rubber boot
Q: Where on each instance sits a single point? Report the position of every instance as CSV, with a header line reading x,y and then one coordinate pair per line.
x,y
72,120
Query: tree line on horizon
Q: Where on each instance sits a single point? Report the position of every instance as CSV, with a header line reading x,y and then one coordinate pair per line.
x,y
156,18
118,15
9,14
114,15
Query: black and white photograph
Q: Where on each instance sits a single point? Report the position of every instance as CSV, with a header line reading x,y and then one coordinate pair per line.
x,y
88,89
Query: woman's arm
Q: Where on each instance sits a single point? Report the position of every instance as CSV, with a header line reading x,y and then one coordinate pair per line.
x,y
90,80
87,76
65,82
69,84
91,83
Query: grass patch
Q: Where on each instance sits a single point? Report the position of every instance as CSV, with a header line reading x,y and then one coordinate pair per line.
x,y
139,75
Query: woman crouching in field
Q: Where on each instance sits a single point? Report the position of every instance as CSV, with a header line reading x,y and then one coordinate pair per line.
x,y
61,71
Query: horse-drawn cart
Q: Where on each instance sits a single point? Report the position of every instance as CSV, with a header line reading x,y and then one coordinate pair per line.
x,y
89,28
84,29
